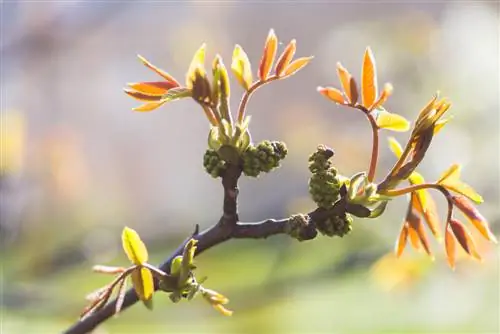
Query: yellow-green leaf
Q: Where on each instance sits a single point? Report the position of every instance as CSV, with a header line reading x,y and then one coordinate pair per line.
x,y
150,106
241,67
450,179
395,147
389,121
134,247
452,172
142,280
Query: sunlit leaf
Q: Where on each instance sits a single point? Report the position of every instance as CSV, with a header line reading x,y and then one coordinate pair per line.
x,y
134,247
241,67
429,211
417,225
348,84
150,106
369,88
395,147
297,65
142,96
449,241
333,94
268,56
285,58
153,88
390,121
450,179
142,280
464,238
176,264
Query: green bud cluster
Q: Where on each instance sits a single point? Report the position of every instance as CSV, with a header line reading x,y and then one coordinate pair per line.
x,y
325,182
296,226
264,157
336,225
213,163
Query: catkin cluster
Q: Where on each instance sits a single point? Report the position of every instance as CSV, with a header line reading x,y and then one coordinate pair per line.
x,y
264,157
213,163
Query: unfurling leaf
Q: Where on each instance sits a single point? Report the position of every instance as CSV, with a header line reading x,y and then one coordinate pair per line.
x,y
449,242
348,84
241,67
197,67
285,58
450,179
464,238
268,56
333,94
389,121
134,247
369,88
402,239
475,217
297,65
176,264
142,280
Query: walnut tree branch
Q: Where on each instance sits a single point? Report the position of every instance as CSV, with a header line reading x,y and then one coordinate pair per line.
x,y
227,228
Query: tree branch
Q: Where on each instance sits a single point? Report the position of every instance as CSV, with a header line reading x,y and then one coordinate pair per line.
x,y
227,228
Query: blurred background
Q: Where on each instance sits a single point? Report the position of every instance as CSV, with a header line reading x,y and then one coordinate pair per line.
x,y
78,165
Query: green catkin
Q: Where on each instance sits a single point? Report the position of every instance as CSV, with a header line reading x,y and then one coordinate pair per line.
x,y
213,163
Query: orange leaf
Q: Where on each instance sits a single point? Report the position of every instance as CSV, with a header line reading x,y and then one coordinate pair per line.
x,y
348,84
150,106
464,238
286,57
449,242
269,54
159,71
153,88
369,79
142,96
332,94
297,65
403,238
475,217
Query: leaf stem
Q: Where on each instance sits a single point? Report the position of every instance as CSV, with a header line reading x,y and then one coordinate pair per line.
x,y
248,93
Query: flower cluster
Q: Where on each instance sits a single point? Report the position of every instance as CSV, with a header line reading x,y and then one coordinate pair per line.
x,y
362,190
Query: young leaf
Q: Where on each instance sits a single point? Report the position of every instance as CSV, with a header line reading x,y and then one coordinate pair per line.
x,y
285,58
134,247
389,121
348,84
297,65
150,106
241,67
450,179
142,280
153,88
417,225
449,242
464,238
369,88
268,56
395,147
333,94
